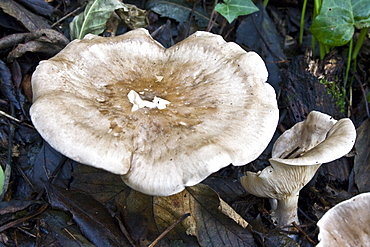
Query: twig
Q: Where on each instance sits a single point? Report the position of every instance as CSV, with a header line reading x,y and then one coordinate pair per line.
x,y
15,119
20,220
10,117
53,175
169,229
191,16
306,216
304,233
125,232
212,18
66,16
363,93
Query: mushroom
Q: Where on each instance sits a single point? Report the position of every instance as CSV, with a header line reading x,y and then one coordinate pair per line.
x,y
347,223
296,156
162,118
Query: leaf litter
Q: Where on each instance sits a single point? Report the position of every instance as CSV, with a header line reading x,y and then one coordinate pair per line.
x,y
89,199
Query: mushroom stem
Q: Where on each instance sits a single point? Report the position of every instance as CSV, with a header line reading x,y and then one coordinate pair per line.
x,y
281,183
286,211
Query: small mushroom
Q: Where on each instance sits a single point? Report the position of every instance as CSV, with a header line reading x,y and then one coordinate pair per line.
x,y
347,223
296,156
162,118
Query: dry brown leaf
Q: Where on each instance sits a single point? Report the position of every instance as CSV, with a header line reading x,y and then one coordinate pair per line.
x,y
29,20
211,220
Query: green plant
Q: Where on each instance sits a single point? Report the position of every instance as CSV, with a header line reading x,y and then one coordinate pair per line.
x,y
232,9
337,92
2,179
93,19
334,24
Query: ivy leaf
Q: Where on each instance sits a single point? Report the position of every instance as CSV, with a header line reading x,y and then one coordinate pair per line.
x,y
335,25
232,9
94,18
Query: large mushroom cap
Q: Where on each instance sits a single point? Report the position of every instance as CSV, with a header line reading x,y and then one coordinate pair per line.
x,y
347,223
162,118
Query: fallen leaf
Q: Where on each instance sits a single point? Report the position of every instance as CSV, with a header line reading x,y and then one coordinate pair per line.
x,y
362,157
7,87
29,20
45,41
94,18
132,16
33,46
209,219
58,224
38,6
48,36
91,216
229,189
102,185
12,40
178,10
45,163
14,206
266,41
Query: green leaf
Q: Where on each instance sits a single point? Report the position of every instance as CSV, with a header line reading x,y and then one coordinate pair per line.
x,y
178,10
2,179
335,25
232,9
94,18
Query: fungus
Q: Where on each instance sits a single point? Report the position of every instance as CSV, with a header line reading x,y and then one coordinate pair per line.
x,y
347,223
296,156
162,118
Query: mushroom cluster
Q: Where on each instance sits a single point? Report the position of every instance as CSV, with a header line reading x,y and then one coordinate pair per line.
x,y
296,156
347,223
162,118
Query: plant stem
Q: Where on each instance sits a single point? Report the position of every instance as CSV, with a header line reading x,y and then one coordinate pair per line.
x,y
322,50
317,7
349,109
350,48
301,26
211,21
360,41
